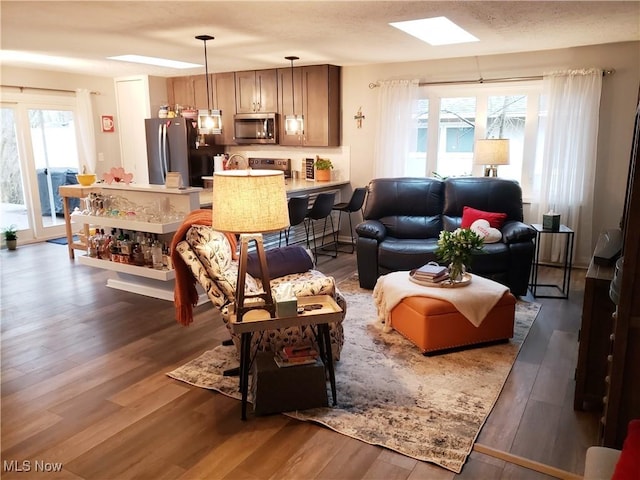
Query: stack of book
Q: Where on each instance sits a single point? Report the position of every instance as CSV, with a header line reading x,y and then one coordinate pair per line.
x,y
431,273
296,355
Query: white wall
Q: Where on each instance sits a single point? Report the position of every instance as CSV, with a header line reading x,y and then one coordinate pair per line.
x,y
617,107
103,104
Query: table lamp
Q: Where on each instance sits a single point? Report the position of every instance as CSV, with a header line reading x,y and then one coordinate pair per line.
x,y
491,152
250,203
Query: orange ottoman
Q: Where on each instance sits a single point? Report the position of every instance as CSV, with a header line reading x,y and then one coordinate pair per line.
x,y
435,325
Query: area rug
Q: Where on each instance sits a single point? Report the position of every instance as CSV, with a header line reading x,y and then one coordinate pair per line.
x,y
389,394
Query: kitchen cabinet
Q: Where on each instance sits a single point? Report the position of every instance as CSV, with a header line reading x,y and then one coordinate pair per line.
x,y
257,91
317,97
153,209
192,91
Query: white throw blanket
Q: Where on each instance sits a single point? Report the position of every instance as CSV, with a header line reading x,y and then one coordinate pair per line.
x,y
473,301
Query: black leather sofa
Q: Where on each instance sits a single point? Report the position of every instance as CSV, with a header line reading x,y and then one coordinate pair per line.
x,y
403,218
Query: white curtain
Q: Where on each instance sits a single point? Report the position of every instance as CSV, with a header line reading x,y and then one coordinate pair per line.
x,y
397,127
86,132
569,158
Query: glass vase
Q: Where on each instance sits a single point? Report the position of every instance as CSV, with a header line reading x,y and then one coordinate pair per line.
x,y
456,271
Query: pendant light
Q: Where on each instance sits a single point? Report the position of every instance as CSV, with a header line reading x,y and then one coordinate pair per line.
x,y
293,124
209,121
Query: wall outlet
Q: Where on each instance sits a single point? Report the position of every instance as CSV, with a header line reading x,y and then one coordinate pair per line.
x,y
101,157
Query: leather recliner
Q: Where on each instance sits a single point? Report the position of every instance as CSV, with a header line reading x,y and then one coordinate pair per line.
x,y
403,218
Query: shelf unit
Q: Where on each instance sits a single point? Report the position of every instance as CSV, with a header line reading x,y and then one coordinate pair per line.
x,y
131,278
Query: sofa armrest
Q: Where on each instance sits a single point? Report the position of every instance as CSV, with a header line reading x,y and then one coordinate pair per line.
x,y
372,229
515,231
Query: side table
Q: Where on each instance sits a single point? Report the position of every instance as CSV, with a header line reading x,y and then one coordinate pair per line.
x,y
566,266
258,321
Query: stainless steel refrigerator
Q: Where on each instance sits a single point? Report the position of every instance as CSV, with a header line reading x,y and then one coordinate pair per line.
x,y
171,147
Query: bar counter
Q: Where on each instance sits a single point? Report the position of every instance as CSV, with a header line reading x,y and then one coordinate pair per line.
x,y
293,187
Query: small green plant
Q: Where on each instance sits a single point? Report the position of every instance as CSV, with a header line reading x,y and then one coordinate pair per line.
x,y
323,164
456,247
10,232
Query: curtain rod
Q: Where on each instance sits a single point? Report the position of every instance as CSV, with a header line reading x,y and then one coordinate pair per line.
x,y
610,71
21,88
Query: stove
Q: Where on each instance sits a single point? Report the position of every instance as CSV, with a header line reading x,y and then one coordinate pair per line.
x,y
281,164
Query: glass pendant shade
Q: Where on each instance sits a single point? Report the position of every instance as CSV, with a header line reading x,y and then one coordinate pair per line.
x,y
209,122
293,124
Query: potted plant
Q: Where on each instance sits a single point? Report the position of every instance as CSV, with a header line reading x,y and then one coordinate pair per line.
x,y
323,169
10,235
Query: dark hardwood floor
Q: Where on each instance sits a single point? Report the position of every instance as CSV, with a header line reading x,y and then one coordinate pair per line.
x,y
84,389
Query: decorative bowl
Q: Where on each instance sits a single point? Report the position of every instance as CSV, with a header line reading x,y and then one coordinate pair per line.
x,y
86,179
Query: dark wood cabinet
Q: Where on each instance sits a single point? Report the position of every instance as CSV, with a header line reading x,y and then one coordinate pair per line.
x,y
595,331
256,91
317,97
191,91
622,397
226,102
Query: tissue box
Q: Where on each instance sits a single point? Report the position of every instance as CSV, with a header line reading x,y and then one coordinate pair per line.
x,y
551,222
287,308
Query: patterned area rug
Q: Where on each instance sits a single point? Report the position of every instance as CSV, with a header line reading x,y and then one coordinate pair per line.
x,y
389,394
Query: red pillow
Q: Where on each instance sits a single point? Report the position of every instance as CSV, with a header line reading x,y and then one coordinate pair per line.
x,y
628,466
470,215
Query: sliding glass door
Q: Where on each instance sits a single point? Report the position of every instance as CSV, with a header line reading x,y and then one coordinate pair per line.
x,y
39,153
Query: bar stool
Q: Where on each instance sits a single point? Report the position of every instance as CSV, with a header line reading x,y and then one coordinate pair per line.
x,y
298,208
321,209
353,205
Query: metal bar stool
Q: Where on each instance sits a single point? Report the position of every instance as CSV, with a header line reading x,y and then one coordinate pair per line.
x,y
354,204
298,208
321,209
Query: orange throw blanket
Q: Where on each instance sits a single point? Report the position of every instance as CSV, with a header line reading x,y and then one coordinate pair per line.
x,y
185,295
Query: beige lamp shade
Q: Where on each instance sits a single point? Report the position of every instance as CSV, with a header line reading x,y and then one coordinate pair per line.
x,y
491,151
249,201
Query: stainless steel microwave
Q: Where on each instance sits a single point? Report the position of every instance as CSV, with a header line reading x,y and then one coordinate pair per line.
x,y
259,128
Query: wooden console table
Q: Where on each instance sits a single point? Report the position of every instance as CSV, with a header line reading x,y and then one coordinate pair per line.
x,y
595,331
259,321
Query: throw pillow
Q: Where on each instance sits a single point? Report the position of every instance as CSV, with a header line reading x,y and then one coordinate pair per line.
x,y
628,466
281,261
470,215
482,228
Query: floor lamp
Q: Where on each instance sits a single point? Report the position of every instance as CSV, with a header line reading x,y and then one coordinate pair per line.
x,y
250,203
491,152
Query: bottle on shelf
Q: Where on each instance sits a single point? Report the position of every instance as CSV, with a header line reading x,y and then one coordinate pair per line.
x,y
156,254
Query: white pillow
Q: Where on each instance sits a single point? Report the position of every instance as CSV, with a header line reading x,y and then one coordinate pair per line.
x,y
483,230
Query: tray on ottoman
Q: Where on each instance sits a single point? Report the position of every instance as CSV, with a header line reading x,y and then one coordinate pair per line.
x,y
435,325
285,389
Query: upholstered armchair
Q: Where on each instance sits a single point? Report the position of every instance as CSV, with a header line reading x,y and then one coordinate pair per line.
x,y
208,255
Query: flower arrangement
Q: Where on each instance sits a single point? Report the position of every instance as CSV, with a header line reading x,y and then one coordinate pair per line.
x,y
456,248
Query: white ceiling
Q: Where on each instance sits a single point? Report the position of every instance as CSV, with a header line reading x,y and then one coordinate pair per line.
x,y
259,34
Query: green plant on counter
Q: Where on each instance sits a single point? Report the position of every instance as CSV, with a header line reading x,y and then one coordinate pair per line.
x,y
323,164
10,232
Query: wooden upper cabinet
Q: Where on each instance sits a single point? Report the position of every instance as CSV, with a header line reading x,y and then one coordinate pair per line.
x,y
226,102
180,91
200,91
256,91
317,97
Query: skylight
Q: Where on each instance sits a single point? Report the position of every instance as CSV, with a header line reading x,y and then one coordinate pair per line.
x,y
435,31
159,62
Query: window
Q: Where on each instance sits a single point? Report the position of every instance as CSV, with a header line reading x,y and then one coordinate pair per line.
x,y
470,112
